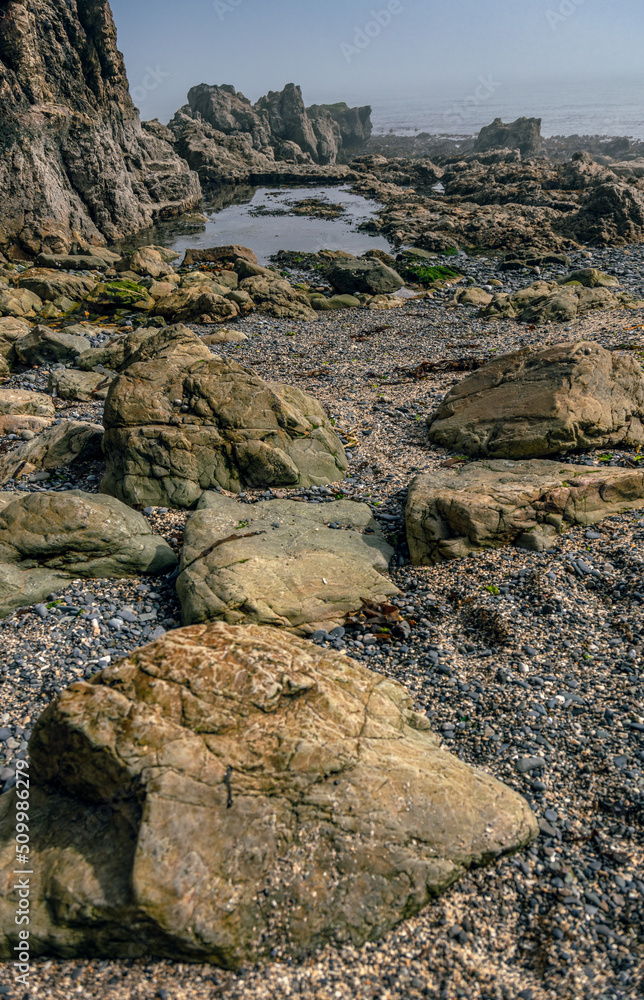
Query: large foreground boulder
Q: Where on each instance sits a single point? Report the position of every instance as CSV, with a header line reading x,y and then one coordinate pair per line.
x,y
175,429
485,505
47,539
228,791
542,401
278,563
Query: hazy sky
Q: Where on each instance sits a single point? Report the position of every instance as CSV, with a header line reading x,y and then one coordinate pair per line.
x,y
336,50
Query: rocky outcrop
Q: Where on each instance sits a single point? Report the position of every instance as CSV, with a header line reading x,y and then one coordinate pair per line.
x,y
612,214
48,539
75,163
554,301
278,563
226,794
181,423
226,139
523,134
485,505
542,401
354,123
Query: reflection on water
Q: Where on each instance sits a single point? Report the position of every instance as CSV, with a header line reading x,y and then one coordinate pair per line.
x,y
230,220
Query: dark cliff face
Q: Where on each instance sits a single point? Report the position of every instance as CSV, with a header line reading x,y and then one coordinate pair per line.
x,y
75,163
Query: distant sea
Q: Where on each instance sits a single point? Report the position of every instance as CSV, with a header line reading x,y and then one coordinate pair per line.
x,y
614,107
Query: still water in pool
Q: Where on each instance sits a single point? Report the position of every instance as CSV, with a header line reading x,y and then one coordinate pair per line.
x,y
243,215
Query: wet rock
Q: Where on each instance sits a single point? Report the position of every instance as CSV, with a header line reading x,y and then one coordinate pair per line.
x,y
489,504
277,563
541,401
304,784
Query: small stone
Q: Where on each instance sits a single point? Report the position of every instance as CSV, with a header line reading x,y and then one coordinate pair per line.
x,y
527,764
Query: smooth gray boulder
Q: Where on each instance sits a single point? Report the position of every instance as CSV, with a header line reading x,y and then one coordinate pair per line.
x,y
489,504
57,447
278,563
225,792
363,275
540,401
42,345
47,539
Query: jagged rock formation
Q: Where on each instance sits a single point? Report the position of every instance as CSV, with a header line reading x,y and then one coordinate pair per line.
x,y
523,134
355,123
227,139
75,163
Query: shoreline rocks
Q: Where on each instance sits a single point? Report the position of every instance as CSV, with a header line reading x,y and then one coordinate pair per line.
x,y
494,503
540,401
280,564
48,539
179,425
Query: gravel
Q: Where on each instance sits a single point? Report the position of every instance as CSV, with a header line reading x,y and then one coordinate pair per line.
x,y
529,666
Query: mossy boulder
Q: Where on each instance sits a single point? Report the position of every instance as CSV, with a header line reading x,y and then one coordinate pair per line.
x,y
121,294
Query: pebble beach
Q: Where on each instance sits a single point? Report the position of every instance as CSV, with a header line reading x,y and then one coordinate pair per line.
x,y
528,665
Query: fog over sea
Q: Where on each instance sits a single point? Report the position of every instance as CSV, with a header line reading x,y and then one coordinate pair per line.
x,y
610,107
